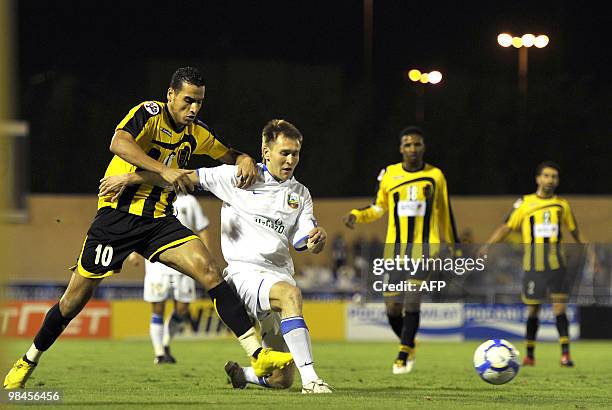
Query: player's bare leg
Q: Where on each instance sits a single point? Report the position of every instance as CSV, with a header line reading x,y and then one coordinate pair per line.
x,y
531,333
193,259
74,299
287,299
562,323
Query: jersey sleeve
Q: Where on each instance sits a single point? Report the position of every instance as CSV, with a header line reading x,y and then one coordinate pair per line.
x,y
220,181
138,121
568,217
305,223
376,210
445,212
200,220
208,144
514,219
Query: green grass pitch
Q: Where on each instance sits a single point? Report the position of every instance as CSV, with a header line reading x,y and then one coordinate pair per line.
x,y
113,374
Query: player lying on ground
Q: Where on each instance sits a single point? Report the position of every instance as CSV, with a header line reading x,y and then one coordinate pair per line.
x,y
160,138
258,224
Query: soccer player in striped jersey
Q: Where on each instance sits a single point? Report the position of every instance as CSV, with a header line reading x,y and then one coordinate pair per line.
x,y
539,217
258,227
415,196
160,138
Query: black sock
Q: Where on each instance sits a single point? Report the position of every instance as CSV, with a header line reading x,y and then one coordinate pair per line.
x,y
230,308
532,330
409,328
396,322
53,326
563,329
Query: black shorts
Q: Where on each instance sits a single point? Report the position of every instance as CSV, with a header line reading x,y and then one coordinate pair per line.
x,y
539,287
114,235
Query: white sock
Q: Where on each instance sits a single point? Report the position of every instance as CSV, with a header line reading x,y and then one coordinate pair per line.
x,y
156,331
33,354
172,326
297,338
249,342
249,374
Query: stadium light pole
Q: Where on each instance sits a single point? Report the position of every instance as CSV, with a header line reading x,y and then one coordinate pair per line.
x,y
523,44
421,79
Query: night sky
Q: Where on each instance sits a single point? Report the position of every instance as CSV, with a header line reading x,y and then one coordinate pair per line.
x,y
82,65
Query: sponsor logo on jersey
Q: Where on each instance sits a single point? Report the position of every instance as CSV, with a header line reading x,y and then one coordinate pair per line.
x,y
277,225
293,200
152,107
165,131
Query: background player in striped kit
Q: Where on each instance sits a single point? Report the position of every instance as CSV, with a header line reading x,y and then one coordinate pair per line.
x,y
420,217
540,218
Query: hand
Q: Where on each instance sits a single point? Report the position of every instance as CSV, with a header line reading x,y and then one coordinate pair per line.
x,y
349,220
246,171
178,179
483,251
316,239
113,185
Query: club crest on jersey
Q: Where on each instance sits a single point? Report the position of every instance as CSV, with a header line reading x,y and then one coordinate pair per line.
x,y
151,107
293,200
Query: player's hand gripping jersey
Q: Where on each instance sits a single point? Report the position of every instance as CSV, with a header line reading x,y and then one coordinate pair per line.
x,y
259,223
156,133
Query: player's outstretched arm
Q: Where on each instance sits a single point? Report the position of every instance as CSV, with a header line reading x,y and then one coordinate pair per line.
x,y
124,146
116,184
246,167
317,237
498,235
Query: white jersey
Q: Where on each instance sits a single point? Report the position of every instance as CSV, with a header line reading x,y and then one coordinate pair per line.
x,y
259,223
188,211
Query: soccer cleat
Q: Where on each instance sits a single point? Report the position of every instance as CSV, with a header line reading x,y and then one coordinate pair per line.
x,y
269,360
529,361
169,358
19,374
236,375
566,361
402,367
316,387
161,360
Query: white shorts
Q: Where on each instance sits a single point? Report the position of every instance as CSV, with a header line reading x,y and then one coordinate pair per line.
x,y
163,284
253,288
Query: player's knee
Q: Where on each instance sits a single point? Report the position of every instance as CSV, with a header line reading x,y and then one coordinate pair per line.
x,y
207,272
393,308
412,307
292,297
533,310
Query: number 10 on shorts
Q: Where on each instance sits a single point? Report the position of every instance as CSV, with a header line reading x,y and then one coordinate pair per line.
x,y
104,254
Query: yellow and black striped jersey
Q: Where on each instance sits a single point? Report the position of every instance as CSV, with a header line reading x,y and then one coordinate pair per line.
x,y
419,210
156,133
539,220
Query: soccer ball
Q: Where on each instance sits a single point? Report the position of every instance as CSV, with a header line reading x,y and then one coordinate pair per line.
x,y
496,361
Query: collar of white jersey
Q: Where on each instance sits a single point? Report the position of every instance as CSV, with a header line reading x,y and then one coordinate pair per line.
x,y
270,178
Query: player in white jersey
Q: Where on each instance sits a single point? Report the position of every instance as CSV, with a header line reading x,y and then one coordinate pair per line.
x,y
163,283
258,225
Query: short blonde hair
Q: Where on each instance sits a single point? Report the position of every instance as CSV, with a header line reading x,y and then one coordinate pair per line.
x,y
274,128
